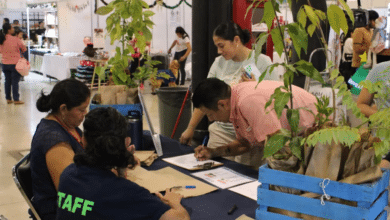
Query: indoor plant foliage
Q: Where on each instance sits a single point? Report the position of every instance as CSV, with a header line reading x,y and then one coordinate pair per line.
x,y
128,19
325,130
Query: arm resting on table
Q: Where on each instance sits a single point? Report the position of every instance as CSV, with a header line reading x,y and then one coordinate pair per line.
x,y
178,212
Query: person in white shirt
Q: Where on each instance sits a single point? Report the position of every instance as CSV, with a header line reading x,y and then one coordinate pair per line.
x,y
345,67
183,50
230,40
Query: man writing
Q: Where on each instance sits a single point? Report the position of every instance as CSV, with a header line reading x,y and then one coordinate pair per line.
x,y
243,105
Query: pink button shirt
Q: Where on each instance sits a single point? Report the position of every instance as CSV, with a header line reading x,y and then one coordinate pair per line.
x,y
251,120
10,50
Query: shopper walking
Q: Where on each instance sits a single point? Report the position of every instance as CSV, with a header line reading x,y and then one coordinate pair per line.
x,y
11,48
183,50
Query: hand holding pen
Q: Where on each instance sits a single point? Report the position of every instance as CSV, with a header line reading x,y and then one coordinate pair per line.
x,y
202,152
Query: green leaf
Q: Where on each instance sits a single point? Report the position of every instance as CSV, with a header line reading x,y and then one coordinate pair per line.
x,y
348,10
311,15
296,147
311,29
261,40
278,41
293,119
149,23
144,4
148,13
104,10
302,17
337,19
269,14
274,144
320,14
147,33
281,100
342,134
262,76
381,148
335,73
309,70
288,78
298,36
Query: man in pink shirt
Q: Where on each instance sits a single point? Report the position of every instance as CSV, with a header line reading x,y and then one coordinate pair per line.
x,y
243,105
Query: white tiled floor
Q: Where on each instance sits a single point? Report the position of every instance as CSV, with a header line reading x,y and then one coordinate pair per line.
x,y
17,126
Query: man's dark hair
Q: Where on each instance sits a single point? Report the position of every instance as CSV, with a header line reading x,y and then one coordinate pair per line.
x,y
209,92
372,15
16,22
6,20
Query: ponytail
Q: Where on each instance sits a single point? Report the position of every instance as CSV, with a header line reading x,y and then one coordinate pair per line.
x,y
180,30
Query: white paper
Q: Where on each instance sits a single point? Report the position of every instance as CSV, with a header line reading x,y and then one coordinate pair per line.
x,y
188,161
223,177
248,190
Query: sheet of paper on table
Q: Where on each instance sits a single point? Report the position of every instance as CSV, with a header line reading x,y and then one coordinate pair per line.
x,y
248,189
244,217
189,162
223,177
143,154
160,180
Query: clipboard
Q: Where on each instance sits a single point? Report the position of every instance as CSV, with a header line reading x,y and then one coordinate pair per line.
x,y
188,162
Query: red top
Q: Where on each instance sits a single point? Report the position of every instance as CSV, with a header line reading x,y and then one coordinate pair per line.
x,y
10,50
251,120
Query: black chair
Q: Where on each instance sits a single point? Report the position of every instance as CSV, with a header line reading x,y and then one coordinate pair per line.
x,y
21,174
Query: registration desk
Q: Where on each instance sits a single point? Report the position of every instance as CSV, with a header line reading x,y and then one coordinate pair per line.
x,y
214,205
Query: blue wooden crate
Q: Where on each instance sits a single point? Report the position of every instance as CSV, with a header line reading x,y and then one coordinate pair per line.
x,y
123,109
371,198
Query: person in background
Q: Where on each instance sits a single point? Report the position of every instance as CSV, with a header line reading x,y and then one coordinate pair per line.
x,y
365,102
345,67
98,177
10,48
15,23
362,39
230,40
243,105
22,36
5,20
183,50
56,140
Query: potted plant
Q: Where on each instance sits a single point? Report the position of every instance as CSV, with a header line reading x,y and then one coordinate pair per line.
x,y
326,143
128,19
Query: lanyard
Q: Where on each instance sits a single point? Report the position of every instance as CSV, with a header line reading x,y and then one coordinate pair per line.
x,y
59,121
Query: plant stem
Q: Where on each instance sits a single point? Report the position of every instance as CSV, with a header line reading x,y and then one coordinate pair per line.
x,y
285,55
327,61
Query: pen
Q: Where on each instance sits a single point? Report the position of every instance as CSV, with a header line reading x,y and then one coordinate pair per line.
x,y
205,141
231,211
186,187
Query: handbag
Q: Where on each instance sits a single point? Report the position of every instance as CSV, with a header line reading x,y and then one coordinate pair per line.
x,y
23,66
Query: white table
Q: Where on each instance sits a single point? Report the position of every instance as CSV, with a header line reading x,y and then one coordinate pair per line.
x,y
59,66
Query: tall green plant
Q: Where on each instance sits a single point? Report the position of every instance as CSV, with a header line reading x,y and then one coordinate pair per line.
x,y
309,23
128,19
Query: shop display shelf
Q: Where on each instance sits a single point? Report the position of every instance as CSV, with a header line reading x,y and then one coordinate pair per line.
x,y
371,198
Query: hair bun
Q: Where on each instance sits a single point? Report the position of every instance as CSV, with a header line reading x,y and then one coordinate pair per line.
x,y
43,103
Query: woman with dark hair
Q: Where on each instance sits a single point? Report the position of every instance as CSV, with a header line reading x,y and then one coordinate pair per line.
x,y
11,48
99,193
56,140
183,50
230,40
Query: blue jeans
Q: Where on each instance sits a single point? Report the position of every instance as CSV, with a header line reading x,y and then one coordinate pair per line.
x,y
12,78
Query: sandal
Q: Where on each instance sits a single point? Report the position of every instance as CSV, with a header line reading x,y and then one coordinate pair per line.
x,y
9,101
18,102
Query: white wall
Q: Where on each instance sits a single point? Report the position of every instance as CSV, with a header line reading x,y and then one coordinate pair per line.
x,y
73,26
